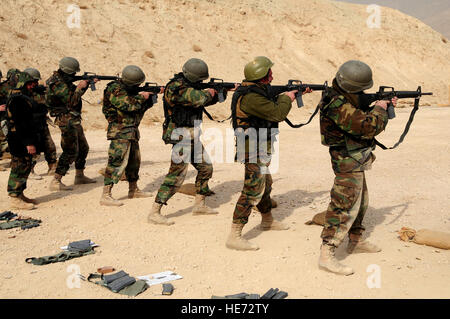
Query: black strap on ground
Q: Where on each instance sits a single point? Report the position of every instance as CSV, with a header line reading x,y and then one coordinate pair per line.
x,y
303,124
406,130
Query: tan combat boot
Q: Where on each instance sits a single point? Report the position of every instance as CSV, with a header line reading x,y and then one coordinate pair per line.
x,y
200,207
355,247
107,199
28,200
235,240
328,261
19,203
268,223
57,185
80,178
33,175
51,169
135,192
155,216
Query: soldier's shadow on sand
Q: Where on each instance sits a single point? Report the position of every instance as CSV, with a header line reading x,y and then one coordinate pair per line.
x,y
287,203
373,218
68,181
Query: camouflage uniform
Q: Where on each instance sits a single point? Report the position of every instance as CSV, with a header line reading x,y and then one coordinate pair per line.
x,y
5,89
40,116
22,132
124,111
253,106
63,99
349,132
183,105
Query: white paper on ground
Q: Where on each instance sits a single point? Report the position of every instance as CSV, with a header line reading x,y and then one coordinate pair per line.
x,y
160,277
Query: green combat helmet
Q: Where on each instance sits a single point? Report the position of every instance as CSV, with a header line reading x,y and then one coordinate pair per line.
x,y
132,75
258,68
33,72
69,65
354,76
12,76
23,78
195,70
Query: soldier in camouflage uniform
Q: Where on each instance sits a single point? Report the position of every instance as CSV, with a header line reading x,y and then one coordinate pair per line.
x,y
256,111
64,102
124,108
24,140
5,88
183,108
348,128
40,117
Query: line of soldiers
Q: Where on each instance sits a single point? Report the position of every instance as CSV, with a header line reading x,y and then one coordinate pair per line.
x,y
346,128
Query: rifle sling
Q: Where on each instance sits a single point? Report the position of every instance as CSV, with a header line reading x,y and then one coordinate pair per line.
x,y
406,130
288,122
212,119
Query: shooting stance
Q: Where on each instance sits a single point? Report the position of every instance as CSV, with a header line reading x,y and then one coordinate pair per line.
x,y
124,107
349,128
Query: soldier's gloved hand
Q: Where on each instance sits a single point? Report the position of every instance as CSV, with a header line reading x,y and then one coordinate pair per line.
x,y
3,108
146,95
83,84
31,149
291,94
308,90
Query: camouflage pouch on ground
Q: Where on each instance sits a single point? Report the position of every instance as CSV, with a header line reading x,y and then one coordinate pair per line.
x,y
60,257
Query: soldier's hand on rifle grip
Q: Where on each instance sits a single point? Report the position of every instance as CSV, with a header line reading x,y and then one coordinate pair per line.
x,y
212,92
146,95
307,90
236,85
3,108
31,149
394,101
383,104
83,84
162,90
291,94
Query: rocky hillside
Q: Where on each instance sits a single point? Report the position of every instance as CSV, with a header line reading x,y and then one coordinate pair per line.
x,y
307,40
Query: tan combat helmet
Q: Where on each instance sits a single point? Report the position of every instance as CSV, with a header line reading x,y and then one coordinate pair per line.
x,y
258,68
132,75
354,76
69,65
195,70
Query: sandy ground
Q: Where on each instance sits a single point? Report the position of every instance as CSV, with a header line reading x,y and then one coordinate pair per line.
x,y
407,186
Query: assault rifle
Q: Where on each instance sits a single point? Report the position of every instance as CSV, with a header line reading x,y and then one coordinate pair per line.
x,y
387,93
150,87
300,86
90,76
217,84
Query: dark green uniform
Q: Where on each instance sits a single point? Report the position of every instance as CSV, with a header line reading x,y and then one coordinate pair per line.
x,y
348,130
22,132
124,110
255,107
64,102
183,106
5,89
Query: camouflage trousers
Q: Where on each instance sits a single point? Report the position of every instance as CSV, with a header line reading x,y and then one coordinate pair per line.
x,y
3,143
348,205
49,148
256,191
74,146
123,155
178,169
20,169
